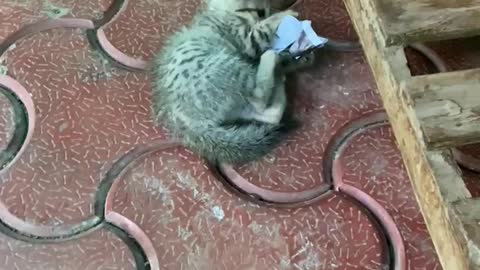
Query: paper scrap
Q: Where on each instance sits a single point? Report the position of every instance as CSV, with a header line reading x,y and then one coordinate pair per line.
x,y
296,37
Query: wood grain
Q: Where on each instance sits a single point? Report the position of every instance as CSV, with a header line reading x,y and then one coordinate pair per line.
x,y
409,21
468,212
448,105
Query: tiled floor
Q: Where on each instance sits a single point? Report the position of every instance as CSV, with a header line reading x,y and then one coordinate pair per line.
x,y
85,192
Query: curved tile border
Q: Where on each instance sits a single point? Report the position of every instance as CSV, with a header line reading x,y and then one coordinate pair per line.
x,y
108,187
386,221
232,178
19,92
113,11
44,26
432,56
14,143
98,39
270,197
22,230
139,236
117,55
138,253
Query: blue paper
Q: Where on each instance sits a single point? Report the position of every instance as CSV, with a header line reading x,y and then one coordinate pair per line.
x,y
312,36
288,32
296,37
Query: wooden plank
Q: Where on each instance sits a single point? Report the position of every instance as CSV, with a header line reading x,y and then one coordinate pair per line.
x,y
448,105
468,212
409,21
428,171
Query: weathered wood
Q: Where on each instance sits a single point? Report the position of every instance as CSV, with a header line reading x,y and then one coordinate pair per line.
x,y
448,105
468,212
409,21
435,177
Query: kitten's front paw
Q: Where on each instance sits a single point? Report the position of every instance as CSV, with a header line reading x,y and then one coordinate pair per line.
x,y
258,105
307,60
292,64
271,57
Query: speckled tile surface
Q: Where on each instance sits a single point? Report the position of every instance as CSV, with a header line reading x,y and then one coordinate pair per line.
x,y
85,192
99,250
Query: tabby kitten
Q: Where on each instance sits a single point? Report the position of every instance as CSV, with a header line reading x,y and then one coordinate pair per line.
x,y
219,88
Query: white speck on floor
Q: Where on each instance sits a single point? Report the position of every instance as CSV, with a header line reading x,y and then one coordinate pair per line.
x,y
218,213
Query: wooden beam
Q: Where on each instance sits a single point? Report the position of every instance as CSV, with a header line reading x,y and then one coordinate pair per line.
x,y
448,105
409,21
428,171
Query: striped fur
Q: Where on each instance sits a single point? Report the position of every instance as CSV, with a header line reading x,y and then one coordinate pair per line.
x,y
208,74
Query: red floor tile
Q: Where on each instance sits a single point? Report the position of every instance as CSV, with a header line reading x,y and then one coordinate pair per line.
x,y
329,18
99,250
372,162
195,224
90,113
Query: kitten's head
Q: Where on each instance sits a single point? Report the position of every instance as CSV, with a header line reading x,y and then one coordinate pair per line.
x,y
260,8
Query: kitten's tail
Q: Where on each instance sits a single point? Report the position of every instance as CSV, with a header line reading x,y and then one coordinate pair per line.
x,y
238,143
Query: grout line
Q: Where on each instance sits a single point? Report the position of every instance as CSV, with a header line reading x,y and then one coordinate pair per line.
x,y
138,253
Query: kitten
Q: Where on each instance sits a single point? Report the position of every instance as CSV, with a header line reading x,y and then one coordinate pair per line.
x,y
219,88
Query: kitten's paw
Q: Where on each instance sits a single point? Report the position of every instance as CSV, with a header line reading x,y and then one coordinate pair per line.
x,y
258,105
307,60
291,65
270,56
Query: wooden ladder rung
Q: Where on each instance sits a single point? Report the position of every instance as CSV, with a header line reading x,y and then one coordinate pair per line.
x,y
409,21
448,107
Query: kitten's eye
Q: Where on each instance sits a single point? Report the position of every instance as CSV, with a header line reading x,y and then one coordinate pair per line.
x,y
261,13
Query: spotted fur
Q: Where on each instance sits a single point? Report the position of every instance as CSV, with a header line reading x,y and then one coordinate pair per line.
x,y
216,80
